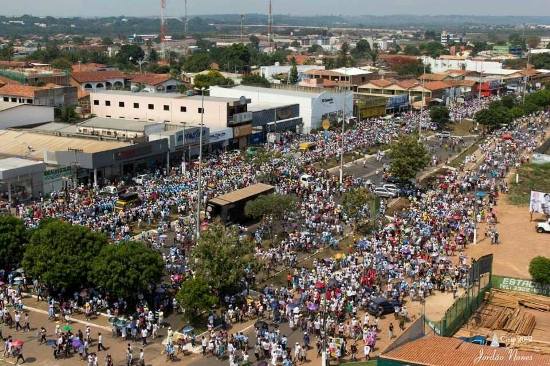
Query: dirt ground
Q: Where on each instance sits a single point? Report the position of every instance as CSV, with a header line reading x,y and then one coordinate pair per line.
x,y
519,242
540,333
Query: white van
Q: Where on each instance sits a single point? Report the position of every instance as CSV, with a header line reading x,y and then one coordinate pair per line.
x,y
306,180
109,190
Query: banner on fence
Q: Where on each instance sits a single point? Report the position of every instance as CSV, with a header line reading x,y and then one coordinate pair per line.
x,y
520,285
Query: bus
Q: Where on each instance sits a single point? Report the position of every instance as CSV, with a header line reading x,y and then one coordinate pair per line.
x,y
229,207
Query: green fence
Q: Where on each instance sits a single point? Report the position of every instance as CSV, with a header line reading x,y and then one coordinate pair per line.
x,y
467,304
520,285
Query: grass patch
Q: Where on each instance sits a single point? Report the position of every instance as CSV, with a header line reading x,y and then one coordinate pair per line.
x,y
455,163
532,177
462,128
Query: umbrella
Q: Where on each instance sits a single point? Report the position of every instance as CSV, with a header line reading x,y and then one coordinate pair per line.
x,y
481,194
506,136
76,343
67,328
17,343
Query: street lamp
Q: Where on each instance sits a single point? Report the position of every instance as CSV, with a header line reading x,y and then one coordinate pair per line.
x,y
343,130
198,218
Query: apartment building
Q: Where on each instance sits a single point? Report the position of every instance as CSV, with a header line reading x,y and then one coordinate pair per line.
x,y
49,95
218,113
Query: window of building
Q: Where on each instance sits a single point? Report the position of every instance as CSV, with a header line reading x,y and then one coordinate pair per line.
x,y
151,106
166,107
136,105
14,100
121,104
6,99
29,101
96,102
183,109
108,116
137,119
120,117
201,110
108,103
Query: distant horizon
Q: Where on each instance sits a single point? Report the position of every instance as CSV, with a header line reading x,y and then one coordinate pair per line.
x,y
279,14
148,8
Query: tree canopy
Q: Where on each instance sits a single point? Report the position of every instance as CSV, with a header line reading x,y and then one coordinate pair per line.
x,y
408,157
127,269
222,259
440,116
362,49
355,203
274,205
293,75
195,296
13,238
211,78
539,269
60,255
255,80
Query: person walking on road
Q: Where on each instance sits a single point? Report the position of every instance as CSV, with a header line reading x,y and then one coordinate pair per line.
x,y
100,345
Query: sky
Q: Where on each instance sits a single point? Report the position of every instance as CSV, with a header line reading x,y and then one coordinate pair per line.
x,y
92,8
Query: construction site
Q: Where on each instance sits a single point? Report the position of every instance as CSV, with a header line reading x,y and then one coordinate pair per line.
x,y
517,320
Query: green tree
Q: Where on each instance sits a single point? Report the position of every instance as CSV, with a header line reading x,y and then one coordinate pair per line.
x,y
66,114
7,52
494,116
129,54
13,238
373,54
541,60
194,297
222,259
255,80
440,116
408,157
271,208
413,68
153,56
411,50
211,78
254,42
315,48
107,41
433,49
197,62
127,269
539,269
362,49
343,59
354,203
60,255
293,75
509,101
62,63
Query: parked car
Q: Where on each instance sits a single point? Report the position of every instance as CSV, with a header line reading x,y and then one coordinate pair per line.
x,y
109,190
382,306
384,192
543,227
392,188
140,179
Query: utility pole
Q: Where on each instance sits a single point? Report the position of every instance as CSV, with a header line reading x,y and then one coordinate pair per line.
x,y
162,28
242,28
343,131
199,180
525,77
186,19
422,103
270,27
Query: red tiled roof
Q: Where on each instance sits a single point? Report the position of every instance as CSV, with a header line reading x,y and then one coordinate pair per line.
x,y
445,351
82,93
94,76
323,72
407,84
462,82
15,90
4,80
300,59
382,83
150,79
434,77
436,85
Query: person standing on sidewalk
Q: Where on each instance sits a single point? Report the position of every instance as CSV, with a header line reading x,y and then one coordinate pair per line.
x,y
27,323
100,345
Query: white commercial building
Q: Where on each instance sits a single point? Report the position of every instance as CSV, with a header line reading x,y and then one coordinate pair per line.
x,y
443,64
171,108
314,106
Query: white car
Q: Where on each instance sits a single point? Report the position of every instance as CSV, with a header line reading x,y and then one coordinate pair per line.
x,y
384,192
109,190
444,134
140,179
392,188
543,227
306,180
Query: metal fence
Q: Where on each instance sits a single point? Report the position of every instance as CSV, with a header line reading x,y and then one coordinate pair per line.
x,y
479,282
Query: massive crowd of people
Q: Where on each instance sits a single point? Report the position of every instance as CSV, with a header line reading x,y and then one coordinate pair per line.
x,y
409,256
